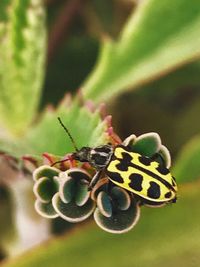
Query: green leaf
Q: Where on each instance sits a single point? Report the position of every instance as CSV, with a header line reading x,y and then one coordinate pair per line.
x,y
122,198
120,221
45,210
4,4
72,188
187,166
45,189
104,204
22,53
159,36
147,144
184,77
164,237
71,212
47,135
45,171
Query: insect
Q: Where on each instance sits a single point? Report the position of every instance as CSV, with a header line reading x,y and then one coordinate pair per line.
x,y
147,178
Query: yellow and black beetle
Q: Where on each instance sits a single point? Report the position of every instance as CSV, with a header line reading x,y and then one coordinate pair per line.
x,y
147,178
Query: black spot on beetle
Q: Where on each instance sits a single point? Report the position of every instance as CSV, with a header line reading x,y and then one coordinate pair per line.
x,y
153,191
136,181
126,157
116,177
121,166
168,194
145,160
162,169
173,181
125,162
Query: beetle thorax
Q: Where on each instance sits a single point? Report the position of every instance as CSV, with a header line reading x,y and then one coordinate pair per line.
x,y
98,157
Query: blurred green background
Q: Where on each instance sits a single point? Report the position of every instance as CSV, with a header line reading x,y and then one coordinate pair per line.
x,y
142,58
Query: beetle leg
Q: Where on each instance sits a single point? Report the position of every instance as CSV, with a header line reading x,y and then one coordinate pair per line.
x,y
94,180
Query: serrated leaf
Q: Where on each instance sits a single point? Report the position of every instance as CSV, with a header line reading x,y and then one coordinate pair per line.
x,y
148,47
187,165
81,123
22,53
47,135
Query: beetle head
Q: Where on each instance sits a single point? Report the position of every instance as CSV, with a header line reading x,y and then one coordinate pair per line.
x,y
82,155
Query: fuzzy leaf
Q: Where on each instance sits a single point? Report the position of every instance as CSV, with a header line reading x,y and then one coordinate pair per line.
x,y
72,187
22,53
147,144
45,189
164,152
120,222
187,165
67,190
116,211
122,198
82,194
104,204
71,212
46,210
45,171
149,46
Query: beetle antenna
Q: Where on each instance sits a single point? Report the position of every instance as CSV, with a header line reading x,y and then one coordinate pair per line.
x,y
59,161
68,133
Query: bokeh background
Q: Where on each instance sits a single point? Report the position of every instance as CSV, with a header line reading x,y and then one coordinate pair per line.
x,y
141,58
